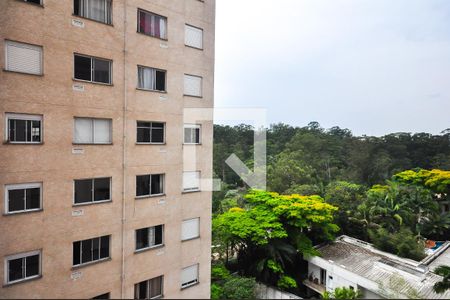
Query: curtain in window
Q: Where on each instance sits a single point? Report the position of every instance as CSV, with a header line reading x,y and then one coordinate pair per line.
x,y
151,236
83,130
96,9
102,131
162,28
153,25
147,78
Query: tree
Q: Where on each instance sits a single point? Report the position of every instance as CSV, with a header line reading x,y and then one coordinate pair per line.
x,y
444,285
239,288
343,293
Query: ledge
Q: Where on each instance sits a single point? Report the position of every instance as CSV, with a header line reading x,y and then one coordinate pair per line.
x,y
23,73
92,82
152,36
152,91
191,239
22,281
22,143
91,203
92,144
189,192
199,97
149,248
77,267
151,144
149,196
23,212
85,18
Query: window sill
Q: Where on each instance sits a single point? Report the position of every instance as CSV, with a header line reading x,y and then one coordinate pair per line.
x,y
92,82
152,36
192,144
192,191
22,281
92,144
23,212
91,203
22,143
155,144
192,47
191,239
154,91
77,267
84,18
149,248
35,4
193,96
149,196
23,73
190,285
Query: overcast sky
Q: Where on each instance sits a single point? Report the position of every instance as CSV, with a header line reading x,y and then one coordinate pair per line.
x,y
372,66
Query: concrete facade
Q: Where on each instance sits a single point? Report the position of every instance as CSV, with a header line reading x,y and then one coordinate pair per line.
x,y
57,162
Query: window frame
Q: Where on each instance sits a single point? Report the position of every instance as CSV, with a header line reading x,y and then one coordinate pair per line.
x,y
197,280
192,127
22,255
201,86
198,229
138,250
41,2
82,264
23,186
151,123
110,83
6,41
191,190
87,18
203,36
93,131
157,70
163,183
148,288
138,22
25,117
92,192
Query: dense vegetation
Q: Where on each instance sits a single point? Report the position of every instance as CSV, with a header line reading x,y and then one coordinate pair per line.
x,y
377,189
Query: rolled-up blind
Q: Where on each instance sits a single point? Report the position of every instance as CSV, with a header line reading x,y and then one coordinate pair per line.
x,y
191,180
192,85
189,275
190,229
193,37
23,58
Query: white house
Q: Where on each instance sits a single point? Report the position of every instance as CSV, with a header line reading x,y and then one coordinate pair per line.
x,y
349,262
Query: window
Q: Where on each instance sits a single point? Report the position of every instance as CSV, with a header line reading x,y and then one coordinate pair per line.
x,y
192,85
102,296
22,128
23,58
192,134
34,1
191,181
92,69
98,10
23,266
90,250
149,185
149,289
152,24
190,229
149,237
150,132
92,131
189,276
151,79
193,37
23,197
92,190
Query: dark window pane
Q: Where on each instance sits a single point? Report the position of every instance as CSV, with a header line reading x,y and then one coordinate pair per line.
x,y
20,131
158,125
36,131
102,189
15,269
157,181
33,198
143,135
160,81
197,135
101,70
142,22
28,131
83,191
142,238
142,290
77,7
104,246
32,263
187,135
143,124
16,200
142,185
158,235
102,296
96,249
155,287
82,67
86,251
76,253
34,1
12,129
157,132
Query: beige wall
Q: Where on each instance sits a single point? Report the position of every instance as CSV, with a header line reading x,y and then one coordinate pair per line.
x,y
55,229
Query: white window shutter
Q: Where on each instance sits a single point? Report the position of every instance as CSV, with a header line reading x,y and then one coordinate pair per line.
x,y
191,180
189,275
23,58
190,229
102,131
192,85
83,130
193,37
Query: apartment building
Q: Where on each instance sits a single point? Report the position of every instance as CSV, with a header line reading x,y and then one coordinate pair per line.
x,y
97,200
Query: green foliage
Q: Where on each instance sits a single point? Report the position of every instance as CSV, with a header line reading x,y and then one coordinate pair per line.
x,y
444,285
436,180
286,282
219,272
343,293
216,291
402,243
239,288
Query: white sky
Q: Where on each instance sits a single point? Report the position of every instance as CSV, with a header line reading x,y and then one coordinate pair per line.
x,y
372,66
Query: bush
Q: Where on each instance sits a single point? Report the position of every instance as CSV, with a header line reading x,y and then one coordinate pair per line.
x,y
239,288
286,282
219,272
216,292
